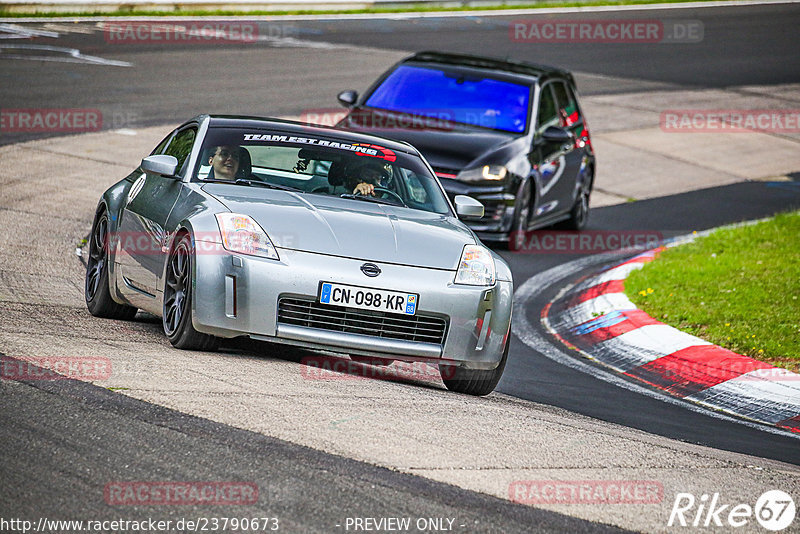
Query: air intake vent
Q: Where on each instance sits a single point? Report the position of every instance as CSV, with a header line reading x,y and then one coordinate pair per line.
x,y
310,313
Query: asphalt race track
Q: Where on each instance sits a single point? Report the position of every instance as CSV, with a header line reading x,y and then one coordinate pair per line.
x,y
309,491
742,46
288,75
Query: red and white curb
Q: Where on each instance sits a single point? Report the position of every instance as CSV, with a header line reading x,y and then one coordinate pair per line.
x,y
595,317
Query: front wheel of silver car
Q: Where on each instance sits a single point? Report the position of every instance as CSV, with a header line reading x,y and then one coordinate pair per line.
x,y
96,287
476,382
177,313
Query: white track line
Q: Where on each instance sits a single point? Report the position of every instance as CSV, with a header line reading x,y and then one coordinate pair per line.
x,y
69,55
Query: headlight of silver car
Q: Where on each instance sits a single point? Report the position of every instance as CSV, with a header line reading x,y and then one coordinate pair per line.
x,y
242,234
476,267
487,172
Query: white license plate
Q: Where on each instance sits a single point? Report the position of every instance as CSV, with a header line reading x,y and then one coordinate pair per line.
x,y
368,299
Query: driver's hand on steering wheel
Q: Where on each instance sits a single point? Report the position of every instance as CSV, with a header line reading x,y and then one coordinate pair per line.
x,y
364,189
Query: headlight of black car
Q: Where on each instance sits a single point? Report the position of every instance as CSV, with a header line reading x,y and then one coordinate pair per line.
x,y
481,174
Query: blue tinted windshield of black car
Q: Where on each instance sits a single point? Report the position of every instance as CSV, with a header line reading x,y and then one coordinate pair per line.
x,y
323,166
457,97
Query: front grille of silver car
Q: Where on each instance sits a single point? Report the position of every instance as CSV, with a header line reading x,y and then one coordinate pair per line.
x,y
312,314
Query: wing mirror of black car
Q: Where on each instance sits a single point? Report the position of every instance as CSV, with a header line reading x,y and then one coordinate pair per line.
x,y
557,136
348,98
468,208
161,164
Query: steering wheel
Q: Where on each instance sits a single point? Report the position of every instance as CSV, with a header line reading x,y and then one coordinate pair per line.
x,y
386,193
321,189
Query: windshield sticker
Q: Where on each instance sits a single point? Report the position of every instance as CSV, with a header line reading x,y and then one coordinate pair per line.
x,y
361,149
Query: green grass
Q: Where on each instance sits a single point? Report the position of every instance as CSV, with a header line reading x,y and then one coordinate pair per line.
x,y
411,8
738,288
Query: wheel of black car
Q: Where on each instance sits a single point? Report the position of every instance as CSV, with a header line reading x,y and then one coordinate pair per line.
x,y
177,314
477,382
96,290
522,208
580,210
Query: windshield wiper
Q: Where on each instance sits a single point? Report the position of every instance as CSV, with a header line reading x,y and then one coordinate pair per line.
x,y
244,181
370,198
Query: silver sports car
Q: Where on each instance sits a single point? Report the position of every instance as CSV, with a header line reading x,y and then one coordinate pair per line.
x,y
298,234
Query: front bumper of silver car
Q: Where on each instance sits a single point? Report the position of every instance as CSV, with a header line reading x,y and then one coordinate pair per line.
x,y
237,295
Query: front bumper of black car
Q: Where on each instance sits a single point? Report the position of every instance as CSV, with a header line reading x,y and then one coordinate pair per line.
x,y
498,202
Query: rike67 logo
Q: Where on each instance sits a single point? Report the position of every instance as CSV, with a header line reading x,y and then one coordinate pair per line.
x,y
774,510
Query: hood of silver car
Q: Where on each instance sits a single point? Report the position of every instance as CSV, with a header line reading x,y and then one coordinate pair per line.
x,y
350,228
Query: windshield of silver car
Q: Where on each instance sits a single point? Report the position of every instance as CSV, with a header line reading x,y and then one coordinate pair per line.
x,y
320,166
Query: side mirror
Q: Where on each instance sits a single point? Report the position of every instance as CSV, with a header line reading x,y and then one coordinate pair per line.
x,y
161,164
557,136
468,208
348,98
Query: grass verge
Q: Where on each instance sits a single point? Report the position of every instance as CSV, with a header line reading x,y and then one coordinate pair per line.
x,y
738,288
411,8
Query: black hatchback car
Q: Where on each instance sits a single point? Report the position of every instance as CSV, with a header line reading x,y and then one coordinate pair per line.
x,y
508,133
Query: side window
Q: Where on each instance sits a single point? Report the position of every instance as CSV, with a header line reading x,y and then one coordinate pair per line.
x,y
567,106
416,189
547,114
181,146
162,145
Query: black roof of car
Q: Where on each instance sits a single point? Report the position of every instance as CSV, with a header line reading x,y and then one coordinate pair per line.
x,y
303,129
510,66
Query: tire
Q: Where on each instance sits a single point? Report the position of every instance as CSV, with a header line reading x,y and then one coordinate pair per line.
x,y
371,360
96,287
476,382
519,223
579,214
177,310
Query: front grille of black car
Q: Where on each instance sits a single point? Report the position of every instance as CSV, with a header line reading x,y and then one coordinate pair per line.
x,y
312,314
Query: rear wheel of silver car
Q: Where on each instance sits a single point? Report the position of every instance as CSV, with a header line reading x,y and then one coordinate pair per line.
x,y
177,313
96,287
477,382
